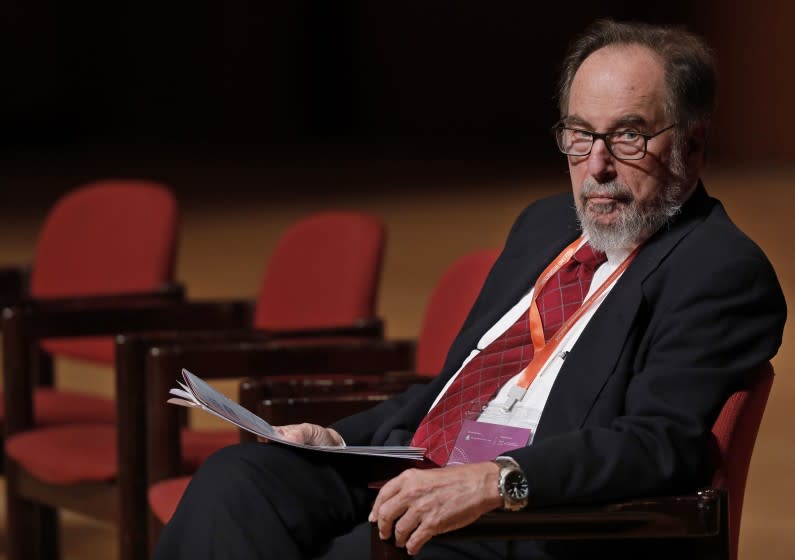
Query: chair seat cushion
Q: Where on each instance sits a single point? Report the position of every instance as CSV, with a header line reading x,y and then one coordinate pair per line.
x,y
99,349
165,495
76,453
53,407
66,454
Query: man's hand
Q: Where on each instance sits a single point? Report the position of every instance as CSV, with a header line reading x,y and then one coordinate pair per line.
x,y
310,434
421,503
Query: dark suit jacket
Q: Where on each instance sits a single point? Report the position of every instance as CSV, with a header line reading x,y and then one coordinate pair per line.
x,y
632,407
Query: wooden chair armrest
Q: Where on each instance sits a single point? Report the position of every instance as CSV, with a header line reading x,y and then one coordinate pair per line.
x,y
255,389
288,356
367,328
703,514
171,291
689,515
319,409
235,333
110,315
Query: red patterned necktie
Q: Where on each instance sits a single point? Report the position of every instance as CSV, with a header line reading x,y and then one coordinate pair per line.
x,y
509,354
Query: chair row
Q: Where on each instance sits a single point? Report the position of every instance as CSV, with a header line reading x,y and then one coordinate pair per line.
x,y
88,454
104,267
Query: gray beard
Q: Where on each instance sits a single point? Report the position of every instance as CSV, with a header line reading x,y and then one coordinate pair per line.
x,y
635,223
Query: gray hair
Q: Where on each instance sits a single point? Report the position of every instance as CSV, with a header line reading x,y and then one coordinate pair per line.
x,y
690,73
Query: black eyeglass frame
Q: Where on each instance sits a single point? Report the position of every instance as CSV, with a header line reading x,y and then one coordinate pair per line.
x,y
604,136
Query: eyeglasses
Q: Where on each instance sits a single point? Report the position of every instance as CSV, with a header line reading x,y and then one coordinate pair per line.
x,y
622,144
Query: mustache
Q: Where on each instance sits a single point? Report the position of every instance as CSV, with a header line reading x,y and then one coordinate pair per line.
x,y
613,189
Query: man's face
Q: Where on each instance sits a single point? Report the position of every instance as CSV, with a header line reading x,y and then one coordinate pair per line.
x,y
620,88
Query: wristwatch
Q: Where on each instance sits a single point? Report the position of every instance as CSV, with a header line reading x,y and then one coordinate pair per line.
x,y
512,485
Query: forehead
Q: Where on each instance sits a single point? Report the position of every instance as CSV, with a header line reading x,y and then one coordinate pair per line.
x,y
618,82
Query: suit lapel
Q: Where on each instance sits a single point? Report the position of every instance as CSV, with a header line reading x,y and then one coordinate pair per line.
x,y
596,353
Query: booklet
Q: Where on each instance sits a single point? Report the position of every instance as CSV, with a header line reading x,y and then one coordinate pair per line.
x,y
196,393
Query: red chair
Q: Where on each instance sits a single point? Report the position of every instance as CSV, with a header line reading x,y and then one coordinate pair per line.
x,y
324,272
109,243
363,372
707,522
735,433
106,238
331,287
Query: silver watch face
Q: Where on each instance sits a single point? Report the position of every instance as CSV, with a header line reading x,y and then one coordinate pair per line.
x,y
515,486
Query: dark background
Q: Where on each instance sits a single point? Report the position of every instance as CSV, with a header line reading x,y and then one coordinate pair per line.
x,y
90,88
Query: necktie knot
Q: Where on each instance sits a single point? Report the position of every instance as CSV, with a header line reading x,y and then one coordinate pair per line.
x,y
589,257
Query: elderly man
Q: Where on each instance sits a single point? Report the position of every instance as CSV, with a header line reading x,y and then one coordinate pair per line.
x,y
609,333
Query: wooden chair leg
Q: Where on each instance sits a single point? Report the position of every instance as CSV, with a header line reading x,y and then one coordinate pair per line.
x,y
718,547
43,367
49,530
32,529
131,448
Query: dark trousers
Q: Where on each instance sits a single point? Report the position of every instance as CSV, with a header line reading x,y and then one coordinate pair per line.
x,y
255,501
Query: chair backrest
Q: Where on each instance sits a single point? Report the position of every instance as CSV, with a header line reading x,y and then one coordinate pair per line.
x,y
324,272
107,237
450,302
734,434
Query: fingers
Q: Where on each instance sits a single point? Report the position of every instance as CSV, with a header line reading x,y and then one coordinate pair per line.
x,y
418,539
388,512
293,432
310,434
389,505
386,492
405,528
410,529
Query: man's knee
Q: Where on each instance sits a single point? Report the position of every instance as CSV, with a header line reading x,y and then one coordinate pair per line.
x,y
234,470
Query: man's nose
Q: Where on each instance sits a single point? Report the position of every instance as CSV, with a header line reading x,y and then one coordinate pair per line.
x,y
601,163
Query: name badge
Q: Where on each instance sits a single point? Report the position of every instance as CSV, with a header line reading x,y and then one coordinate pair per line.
x,y
482,441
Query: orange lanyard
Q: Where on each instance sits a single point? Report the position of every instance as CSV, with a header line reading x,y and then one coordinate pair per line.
x,y
543,349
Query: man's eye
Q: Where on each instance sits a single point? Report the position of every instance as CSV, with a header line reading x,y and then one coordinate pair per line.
x,y
626,136
579,135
